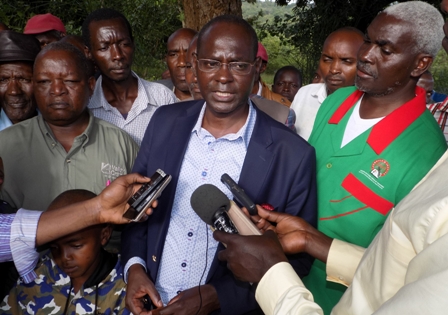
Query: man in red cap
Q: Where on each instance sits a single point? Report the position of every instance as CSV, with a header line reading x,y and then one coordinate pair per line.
x,y
47,28
260,88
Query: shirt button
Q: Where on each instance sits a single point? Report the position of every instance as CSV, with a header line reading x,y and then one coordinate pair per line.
x,y
178,292
190,234
68,161
329,165
204,173
53,144
184,265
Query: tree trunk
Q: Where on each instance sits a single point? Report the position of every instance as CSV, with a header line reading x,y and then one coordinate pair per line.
x,y
198,12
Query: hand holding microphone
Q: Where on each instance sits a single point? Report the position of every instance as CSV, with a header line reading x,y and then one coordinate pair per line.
x,y
215,209
249,257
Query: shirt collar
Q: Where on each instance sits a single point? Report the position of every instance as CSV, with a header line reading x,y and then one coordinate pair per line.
x,y
4,120
322,93
140,103
83,137
245,132
391,126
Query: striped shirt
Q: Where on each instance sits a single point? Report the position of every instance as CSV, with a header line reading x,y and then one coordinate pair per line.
x,y
150,96
440,113
18,240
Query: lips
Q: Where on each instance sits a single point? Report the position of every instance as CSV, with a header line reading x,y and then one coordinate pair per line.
x,y
17,105
59,105
69,269
334,80
223,96
363,71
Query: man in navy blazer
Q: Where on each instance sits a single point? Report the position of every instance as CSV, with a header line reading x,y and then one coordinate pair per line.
x,y
274,166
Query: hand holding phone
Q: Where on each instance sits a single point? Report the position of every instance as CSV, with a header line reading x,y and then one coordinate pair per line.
x,y
145,196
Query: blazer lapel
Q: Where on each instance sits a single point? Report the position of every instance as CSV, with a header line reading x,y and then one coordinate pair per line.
x,y
258,158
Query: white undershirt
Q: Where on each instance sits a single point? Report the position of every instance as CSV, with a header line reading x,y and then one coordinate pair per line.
x,y
356,125
260,88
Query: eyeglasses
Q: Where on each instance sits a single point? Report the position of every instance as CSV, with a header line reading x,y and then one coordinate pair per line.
x,y
236,67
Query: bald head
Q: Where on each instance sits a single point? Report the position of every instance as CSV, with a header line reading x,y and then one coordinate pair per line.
x,y
339,55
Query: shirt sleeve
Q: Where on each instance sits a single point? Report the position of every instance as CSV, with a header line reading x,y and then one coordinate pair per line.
x,y
132,261
281,291
342,261
5,236
23,243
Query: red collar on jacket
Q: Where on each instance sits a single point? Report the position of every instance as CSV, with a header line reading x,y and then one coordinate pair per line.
x,y
391,126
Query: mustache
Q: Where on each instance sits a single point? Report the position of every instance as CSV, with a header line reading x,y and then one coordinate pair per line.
x,y
362,66
334,77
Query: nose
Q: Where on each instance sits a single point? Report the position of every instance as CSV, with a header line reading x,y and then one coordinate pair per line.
x,y
224,74
365,53
14,87
181,60
57,87
65,254
287,87
116,52
335,67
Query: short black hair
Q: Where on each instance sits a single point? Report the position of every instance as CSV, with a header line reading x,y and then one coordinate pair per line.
x,y
288,68
69,197
80,59
102,14
232,19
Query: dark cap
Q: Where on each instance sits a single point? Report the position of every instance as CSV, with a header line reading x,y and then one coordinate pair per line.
x,y
18,47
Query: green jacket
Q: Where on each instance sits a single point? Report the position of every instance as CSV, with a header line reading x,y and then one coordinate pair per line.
x,y
360,183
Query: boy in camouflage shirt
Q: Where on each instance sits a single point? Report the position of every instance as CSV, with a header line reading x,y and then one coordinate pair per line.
x,y
79,277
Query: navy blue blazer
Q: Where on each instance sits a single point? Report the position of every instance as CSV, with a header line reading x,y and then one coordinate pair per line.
x,y
279,169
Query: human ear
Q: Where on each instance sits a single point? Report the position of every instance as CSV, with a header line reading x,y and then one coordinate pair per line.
x,y
106,232
423,62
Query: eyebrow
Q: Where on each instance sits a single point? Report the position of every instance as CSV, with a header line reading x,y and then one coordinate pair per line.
x,y
382,42
75,238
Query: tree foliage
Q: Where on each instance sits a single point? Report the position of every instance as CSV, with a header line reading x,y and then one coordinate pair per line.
x,y
311,21
152,22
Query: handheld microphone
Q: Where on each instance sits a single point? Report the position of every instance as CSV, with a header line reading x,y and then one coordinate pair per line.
x,y
215,209
239,194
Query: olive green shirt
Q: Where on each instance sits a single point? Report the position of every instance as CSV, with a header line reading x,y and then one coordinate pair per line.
x,y
38,169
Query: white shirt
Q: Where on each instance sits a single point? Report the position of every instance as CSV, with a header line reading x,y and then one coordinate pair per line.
x,y
403,271
306,103
356,125
150,96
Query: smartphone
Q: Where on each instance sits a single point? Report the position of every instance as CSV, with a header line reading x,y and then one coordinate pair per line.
x,y
145,196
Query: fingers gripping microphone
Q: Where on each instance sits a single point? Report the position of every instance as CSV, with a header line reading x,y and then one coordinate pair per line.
x,y
215,209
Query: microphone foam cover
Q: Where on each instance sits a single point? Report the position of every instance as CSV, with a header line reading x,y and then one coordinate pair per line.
x,y
206,200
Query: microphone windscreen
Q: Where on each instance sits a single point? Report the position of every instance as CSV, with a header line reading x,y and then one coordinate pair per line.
x,y
206,200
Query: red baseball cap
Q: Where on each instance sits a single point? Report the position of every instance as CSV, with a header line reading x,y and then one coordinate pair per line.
x,y
262,53
42,23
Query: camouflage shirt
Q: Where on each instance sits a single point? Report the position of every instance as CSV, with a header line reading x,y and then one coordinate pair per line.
x,y
48,294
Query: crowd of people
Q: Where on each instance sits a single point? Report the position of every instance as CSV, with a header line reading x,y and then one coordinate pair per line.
x,y
347,172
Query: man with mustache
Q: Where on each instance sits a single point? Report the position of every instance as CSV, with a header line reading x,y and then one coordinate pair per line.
x,y
120,97
176,59
172,257
17,54
369,146
337,68
65,147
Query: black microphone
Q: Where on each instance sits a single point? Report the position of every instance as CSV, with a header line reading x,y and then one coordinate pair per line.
x,y
239,194
215,209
